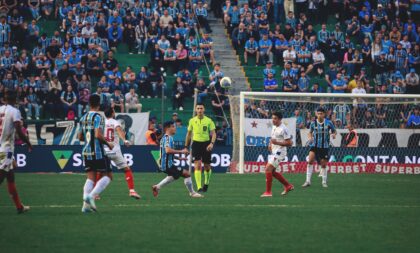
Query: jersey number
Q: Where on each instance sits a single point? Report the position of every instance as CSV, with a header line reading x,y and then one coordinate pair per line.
x,y
110,135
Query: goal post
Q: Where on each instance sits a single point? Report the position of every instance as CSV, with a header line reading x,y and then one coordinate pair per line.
x,y
379,120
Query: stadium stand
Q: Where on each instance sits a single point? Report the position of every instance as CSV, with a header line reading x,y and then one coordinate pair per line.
x,y
59,52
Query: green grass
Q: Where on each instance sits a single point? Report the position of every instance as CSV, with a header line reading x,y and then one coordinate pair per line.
x,y
358,213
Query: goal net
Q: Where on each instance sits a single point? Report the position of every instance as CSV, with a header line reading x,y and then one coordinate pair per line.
x,y
376,133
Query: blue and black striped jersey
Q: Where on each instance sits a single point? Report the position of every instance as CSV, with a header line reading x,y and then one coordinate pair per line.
x,y
166,160
93,149
321,133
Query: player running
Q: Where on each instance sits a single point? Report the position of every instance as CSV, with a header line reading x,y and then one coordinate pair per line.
x,y
91,132
166,161
113,134
280,140
319,138
10,122
200,129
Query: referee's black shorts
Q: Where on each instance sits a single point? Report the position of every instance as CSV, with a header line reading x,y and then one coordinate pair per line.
x,y
200,153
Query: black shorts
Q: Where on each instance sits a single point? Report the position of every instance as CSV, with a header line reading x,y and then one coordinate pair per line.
x,y
175,172
320,154
98,165
200,153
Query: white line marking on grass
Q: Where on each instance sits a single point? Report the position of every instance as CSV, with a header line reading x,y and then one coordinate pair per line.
x,y
230,205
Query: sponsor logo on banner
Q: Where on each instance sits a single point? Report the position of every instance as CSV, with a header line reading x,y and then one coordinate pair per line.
x,y
340,168
258,131
380,137
62,157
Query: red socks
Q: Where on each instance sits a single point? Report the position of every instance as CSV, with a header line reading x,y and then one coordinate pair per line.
x,y
268,181
129,179
14,195
280,177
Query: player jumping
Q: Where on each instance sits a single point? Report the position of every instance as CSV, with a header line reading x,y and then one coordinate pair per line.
x,y
167,166
10,121
319,137
113,133
280,140
91,132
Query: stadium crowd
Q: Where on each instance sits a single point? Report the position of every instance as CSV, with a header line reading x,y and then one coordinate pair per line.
x,y
373,48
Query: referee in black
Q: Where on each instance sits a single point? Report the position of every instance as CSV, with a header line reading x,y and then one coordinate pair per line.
x,y
203,131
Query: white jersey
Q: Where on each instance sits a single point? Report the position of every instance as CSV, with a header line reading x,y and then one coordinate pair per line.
x,y
279,133
8,116
111,135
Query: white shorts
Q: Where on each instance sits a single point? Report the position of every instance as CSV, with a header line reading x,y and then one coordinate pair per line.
x,y
275,160
118,159
6,161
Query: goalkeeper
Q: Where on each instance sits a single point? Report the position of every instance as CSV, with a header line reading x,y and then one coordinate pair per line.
x,y
203,133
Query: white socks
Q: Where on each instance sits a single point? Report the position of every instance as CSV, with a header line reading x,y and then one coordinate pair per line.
x,y
87,188
309,171
100,186
165,181
188,183
324,174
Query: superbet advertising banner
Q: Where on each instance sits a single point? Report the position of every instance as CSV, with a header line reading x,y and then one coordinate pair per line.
x,y
68,159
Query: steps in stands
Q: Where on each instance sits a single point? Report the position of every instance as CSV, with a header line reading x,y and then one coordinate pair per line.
x,y
226,56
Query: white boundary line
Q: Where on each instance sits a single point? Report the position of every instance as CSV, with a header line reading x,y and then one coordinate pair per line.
x,y
229,205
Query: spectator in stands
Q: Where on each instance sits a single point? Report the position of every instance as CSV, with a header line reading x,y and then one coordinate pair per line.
x,y
132,101
414,119
270,83
83,103
151,135
157,83
181,57
178,94
202,90
218,103
195,58
117,100
269,69
412,82
251,48
201,14
303,82
156,57
265,47
215,76
404,112
68,100
142,79
94,66
318,60
141,37
32,102
206,47
339,85
169,60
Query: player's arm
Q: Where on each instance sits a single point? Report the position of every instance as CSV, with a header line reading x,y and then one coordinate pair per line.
x,y
188,137
22,136
213,136
121,134
285,143
172,151
333,130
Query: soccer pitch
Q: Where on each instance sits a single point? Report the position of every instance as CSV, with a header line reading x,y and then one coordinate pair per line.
x,y
357,213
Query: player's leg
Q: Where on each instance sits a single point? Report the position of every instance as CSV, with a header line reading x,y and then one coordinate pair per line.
x,y
277,175
310,167
188,183
324,171
121,163
130,183
172,174
102,166
11,187
269,168
87,188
